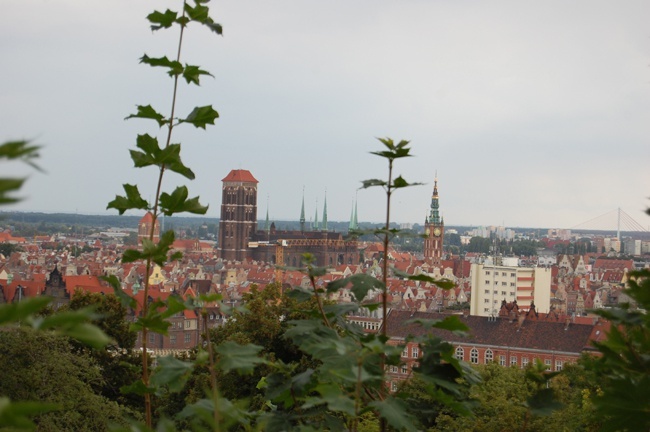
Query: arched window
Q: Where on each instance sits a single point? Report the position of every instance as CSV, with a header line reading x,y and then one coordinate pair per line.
x,y
489,356
473,356
460,353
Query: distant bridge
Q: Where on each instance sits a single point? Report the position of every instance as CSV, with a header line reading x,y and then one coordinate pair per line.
x,y
614,220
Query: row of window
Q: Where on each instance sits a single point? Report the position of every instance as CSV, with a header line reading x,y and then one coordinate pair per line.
x,y
487,273
489,357
487,291
230,197
415,352
187,338
403,369
367,325
487,282
176,324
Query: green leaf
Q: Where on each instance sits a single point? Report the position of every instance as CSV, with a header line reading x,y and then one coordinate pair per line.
x,y
173,306
131,201
147,112
300,294
201,116
161,20
74,323
372,182
192,74
200,14
335,399
154,321
8,185
138,388
395,412
399,183
177,202
131,255
171,372
18,150
21,150
158,252
152,154
395,151
175,67
442,283
361,284
16,415
201,413
316,272
125,299
451,323
242,358
65,318
215,27
15,312
88,334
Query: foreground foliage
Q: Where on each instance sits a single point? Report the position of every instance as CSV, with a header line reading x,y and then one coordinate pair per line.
x,y
42,366
505,400
623,371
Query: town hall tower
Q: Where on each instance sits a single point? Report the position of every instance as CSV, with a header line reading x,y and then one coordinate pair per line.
x,y
434,230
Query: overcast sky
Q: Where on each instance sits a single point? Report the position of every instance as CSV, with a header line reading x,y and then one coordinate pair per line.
x,y
533,113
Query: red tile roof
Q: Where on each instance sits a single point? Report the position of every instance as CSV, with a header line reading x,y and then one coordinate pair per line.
x,y
530,334
240,176
147,218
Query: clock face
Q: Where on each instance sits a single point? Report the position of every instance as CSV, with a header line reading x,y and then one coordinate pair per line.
x,y
436,231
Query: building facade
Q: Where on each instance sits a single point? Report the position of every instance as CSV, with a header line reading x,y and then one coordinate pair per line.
x,y
492,284
434,230
239,238
514,341
238,221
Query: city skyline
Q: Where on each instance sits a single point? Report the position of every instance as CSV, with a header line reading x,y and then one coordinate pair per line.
x,y
532,115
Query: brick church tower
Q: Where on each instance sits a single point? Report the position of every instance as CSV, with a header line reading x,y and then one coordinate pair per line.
x,y
434,230
238,220
144,228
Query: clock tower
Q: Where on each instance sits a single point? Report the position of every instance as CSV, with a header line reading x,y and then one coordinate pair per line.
x,y
434,230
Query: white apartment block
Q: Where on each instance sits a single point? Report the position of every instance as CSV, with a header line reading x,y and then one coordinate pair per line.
x,y
612,244
562,234
493,284
632,246
645,247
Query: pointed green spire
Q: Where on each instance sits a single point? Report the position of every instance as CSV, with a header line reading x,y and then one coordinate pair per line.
x,y
267,227
302,211
351,226
316,217
325,214
434,216
354,224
